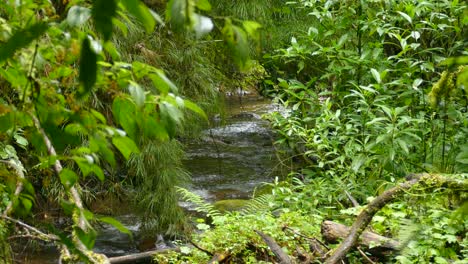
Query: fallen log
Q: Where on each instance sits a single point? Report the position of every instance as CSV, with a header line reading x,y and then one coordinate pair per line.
x,y
429,181
137,257
275,248
332,232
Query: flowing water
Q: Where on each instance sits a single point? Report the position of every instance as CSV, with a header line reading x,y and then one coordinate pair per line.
x,y
228,162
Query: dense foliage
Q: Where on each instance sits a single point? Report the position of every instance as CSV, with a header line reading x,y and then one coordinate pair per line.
x,y
95,97
375,90
77,97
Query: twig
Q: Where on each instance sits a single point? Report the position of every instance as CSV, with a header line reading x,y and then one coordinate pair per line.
x,y
351,198
306,237
44,236
200,248
365,256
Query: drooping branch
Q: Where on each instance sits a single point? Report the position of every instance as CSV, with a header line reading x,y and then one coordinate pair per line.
x,y
19,183
365,217
74,197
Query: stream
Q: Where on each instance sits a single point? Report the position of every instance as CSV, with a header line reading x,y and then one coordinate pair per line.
x,y
227,162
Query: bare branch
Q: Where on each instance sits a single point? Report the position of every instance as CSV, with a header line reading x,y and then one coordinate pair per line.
x,y
42,235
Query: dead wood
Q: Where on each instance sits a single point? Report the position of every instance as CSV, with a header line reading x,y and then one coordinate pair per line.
x,y
218,257
364,218
275,248
332,232
143,256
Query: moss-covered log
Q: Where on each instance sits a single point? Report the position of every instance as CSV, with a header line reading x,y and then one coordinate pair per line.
x,y
430,181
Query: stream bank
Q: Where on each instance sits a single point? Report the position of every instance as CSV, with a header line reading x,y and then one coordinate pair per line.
x,y
227,163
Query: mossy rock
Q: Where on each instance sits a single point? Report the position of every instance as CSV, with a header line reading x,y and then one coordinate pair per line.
x,y
230,205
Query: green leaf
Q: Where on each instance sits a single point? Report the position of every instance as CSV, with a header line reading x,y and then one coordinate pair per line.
x,y
237,42
126,146
78,15
124,112
98,172
376,75
21,39
27,204
99,116
88,68
87,238
405,16
20,140
176,13
162,83
251,27
101,145
85,167
6,121
203,5
115,223
140,12
195,108
137,93
103,11
68,178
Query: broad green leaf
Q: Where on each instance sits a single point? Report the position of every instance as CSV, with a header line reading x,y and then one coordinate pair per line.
x,y
68,178
405,16
251,27
27,204
6,121
87,238
236,39
124,112
177,14
20,140
140,12
88,68
99,116
162,83
126,146
137,93
76,129
195,108
203,5
78,15
102,146
98,172
103,11
154,129
21,39
115,223
376,75
112,50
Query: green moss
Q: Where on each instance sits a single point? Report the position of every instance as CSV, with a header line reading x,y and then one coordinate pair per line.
x,y
230,205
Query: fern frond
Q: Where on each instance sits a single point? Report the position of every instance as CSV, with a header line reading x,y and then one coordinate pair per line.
x,y
201,205
258,204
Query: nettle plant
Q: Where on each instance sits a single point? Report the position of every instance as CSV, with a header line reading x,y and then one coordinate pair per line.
x,y
68,101
371,65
